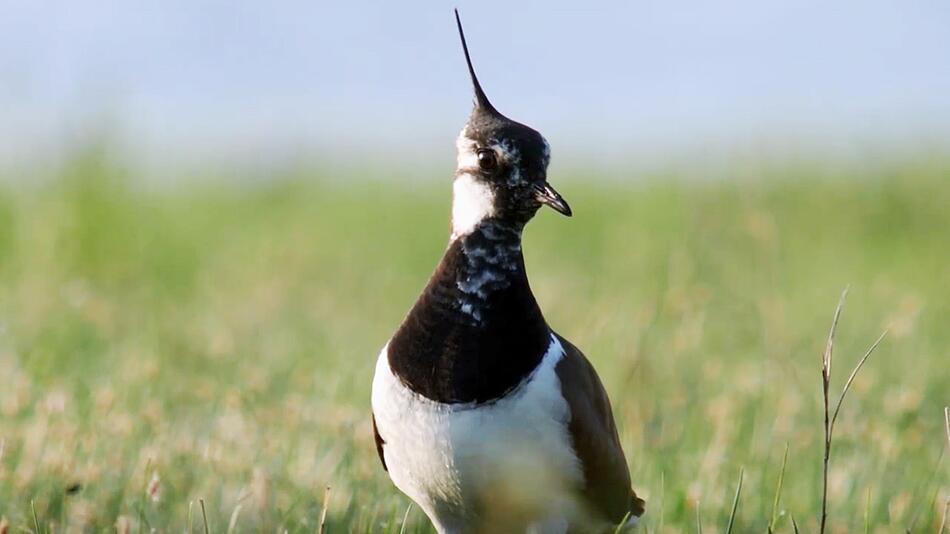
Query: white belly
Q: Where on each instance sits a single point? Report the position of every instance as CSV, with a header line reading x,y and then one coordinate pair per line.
x,y
509,461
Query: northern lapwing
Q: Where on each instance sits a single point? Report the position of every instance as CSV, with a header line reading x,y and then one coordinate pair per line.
x,y
483,415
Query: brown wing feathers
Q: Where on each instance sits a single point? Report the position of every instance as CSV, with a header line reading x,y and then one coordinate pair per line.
x,y
379,444
594,438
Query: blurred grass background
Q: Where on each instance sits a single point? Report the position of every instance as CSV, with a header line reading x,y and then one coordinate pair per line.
x,y
217,342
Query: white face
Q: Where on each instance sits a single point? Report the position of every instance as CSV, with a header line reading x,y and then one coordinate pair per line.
x,y
472,199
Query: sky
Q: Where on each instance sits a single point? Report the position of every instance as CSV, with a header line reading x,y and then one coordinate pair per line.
x,y
180,80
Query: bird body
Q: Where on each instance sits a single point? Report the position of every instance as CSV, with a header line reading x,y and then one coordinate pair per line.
x,y
483,415
474,466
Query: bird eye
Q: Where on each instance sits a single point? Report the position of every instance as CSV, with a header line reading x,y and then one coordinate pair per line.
x,y
486,159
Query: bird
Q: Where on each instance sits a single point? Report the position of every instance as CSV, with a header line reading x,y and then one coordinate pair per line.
x,y
482,414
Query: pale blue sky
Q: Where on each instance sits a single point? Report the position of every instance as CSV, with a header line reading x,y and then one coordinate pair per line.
x,y
274,80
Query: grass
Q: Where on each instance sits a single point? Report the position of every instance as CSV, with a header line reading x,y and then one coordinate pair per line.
x,y
832,417
207,350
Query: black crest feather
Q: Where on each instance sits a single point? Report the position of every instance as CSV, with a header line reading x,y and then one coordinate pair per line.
x,y
481,101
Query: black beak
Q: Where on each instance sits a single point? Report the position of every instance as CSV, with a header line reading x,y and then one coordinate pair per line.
x,y
548,196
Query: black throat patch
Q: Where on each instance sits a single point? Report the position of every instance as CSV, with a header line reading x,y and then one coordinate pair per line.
x,y
476,331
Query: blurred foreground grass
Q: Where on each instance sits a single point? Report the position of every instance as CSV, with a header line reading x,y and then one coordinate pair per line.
x,y
218,343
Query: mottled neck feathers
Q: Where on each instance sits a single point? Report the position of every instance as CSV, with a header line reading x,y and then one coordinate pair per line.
x,y
476,331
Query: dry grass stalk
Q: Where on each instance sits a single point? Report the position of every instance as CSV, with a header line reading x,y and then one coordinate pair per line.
x,y
946,417
323,513
832,416
946,505
123,525
204,515
825,390
232,523
943,521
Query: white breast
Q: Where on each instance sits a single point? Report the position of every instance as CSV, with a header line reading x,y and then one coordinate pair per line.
x,y
511,457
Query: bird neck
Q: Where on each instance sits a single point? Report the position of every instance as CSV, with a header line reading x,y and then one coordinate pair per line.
x,y
476,331
484,264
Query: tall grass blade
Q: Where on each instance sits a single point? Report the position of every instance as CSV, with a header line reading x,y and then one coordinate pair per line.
x,y
622,524
204,515
946,417
735,502
36,523
326,507
854,373
405,519
659,527
922,490
827,355
832,417
778,492
943,522
946,505
826,359
699,519
232,523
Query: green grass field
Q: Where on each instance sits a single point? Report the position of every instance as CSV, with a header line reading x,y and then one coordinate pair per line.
x,y
164,345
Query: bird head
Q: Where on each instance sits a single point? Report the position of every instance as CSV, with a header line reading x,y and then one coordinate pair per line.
x,y
502,166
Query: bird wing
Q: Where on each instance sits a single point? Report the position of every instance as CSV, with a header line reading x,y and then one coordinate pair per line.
x,y
379,444
606,489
